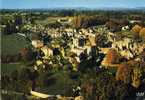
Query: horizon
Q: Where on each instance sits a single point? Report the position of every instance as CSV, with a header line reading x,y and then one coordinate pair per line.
x,y
65,4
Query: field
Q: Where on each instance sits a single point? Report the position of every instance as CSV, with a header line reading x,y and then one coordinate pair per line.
x,y
11,44
61,84
8,68
50,20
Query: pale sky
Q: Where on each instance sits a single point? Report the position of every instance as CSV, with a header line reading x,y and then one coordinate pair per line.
x,y
13,4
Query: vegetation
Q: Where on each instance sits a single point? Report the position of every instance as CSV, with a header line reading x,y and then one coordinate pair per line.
x,y
87,21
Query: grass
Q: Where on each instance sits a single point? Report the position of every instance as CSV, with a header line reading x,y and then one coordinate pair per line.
x,y
61,86
11,44
8,68
50,20
46,21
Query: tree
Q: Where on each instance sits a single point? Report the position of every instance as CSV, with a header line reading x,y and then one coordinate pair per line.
x,y
5,81
136,75
9,28
33,76
94,53
18,20
123,73
25,74
88,85
77,21
28,78
102,40
136,29
27,54
88,21
14,75
112,57
54,25
107,88
83,56
142,33
113,25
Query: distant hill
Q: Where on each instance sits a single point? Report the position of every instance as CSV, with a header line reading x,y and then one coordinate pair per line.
x,y
76,8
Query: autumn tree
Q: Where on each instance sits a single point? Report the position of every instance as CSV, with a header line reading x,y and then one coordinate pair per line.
x,y
123,73
136,29
136,75
142,33
77,21
112,57
87,21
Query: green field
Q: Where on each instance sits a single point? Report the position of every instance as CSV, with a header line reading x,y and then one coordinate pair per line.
x,y
50,20
11,44
8,68
61,85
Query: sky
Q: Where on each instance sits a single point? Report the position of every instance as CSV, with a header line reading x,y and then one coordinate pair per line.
x,y
27,4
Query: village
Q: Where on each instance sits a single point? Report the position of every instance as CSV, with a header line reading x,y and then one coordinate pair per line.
x,y
78,45
116,51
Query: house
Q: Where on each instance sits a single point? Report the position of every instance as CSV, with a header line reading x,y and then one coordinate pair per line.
x,y
128,48
104,50
47,52
125,28
111,36
64,20
134,21
37,43
39,62
77,51
92,40
81,41
127,54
